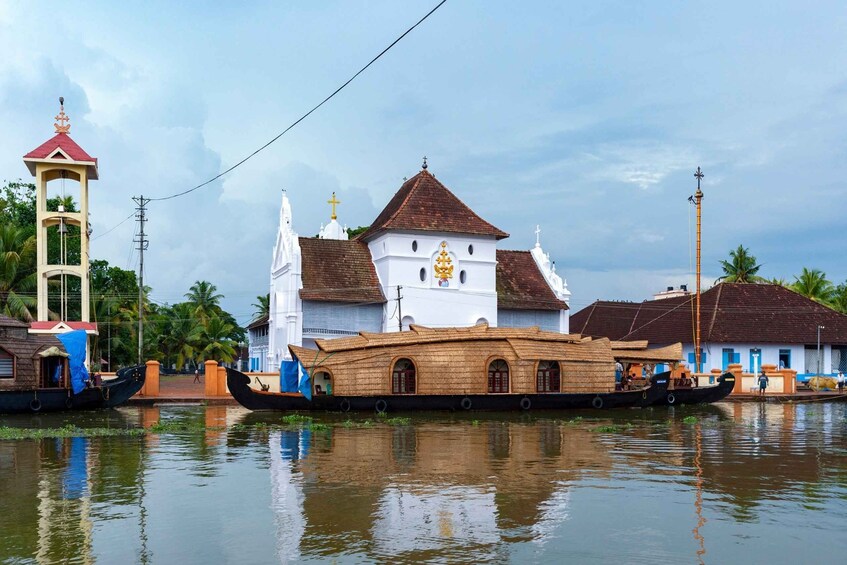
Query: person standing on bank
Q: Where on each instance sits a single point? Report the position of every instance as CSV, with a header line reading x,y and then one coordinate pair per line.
x,y
763,383
840,381
197,374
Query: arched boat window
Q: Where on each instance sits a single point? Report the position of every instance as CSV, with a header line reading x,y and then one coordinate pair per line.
x,y
322,382
498,376
403,377
548,377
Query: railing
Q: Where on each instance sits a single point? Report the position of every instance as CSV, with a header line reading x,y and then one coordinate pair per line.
x,y
262,340
323,331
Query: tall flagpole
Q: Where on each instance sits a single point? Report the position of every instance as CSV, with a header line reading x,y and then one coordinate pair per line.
x,y
698,197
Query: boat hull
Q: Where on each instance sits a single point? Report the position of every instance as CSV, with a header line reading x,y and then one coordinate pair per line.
x,y
238,384
699,395
111,394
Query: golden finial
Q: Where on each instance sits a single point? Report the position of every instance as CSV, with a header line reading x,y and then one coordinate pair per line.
x,y
63,124
334,202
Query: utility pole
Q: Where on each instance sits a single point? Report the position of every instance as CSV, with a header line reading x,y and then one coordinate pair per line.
x,y
142,242
698,198
399,309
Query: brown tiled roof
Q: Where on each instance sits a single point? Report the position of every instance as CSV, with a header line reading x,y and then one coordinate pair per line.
x,y
7,322
424,204
521,285
258,322
338,271
730,313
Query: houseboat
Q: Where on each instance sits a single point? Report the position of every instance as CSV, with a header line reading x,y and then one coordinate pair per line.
x,y
475,368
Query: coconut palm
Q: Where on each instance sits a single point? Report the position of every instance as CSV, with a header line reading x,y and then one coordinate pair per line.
x,y
839,298
17,273
263,306
741,267
216,342
182,334
812,283
202,295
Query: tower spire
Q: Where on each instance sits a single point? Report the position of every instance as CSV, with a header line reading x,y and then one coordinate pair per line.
x,y
63,122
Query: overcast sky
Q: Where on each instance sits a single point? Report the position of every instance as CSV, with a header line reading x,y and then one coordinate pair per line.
x,y
586,118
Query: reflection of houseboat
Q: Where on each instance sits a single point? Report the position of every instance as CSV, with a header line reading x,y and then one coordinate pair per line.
x,y
477,368
39,374
683,387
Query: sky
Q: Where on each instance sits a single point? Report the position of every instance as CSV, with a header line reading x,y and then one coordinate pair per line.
x,y
586,118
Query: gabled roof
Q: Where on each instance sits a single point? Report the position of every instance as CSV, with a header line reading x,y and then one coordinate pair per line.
x,y
258,322
521,284
7,322
63,142
424,204
730,313
338,271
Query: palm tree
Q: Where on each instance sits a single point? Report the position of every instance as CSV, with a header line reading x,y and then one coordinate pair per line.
x,y
741,268
216,342
814,284
202,296
18,276
182,334
839,298
263,306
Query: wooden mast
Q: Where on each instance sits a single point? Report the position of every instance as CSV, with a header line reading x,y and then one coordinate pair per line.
x,y
698,197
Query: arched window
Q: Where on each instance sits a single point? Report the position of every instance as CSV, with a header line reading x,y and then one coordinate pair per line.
x,y
547,377
403,377
322,382
498,376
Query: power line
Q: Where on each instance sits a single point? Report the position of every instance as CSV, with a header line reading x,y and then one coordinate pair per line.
x,y
307,114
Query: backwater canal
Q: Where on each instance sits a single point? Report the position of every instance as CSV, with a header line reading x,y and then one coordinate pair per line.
x,y
727,483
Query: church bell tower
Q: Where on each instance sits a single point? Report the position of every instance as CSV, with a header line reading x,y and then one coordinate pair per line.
x,y
61,159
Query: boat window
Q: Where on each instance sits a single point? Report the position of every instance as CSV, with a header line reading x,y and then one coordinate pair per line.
x,y
323,382
498,376
403,377
547,377
7,365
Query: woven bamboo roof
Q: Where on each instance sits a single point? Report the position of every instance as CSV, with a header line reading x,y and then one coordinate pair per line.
x,y
657,355
598,350
641,344
422,334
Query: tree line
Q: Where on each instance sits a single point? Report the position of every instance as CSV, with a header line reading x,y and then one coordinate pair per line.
x,y
742,267
178,335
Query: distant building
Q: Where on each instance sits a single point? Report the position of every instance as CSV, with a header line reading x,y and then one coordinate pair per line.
x,y
751,324
426,259
672,292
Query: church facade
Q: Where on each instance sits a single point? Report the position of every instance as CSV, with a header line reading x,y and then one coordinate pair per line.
x,y
426,259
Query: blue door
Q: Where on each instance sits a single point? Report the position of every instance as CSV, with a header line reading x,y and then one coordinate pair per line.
x,y
728,357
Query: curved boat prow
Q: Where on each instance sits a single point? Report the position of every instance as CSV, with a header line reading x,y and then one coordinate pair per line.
x,y
128,382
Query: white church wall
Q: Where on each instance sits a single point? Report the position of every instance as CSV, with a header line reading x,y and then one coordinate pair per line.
x,y
547,320
408,259
336,317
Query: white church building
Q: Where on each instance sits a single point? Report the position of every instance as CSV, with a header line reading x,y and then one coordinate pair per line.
x,y
426,259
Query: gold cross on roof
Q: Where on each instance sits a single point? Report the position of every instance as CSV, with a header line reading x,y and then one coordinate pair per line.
x,y
334,203
62,125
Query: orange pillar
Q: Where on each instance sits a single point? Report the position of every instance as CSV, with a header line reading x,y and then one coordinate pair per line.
x,y
789,378
211,378
151,379
735,369
222,381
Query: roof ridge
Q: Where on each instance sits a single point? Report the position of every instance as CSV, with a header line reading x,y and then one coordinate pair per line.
x,y
406,198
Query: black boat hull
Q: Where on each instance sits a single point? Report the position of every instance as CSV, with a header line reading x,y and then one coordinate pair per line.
x,y
111,394
699,395
251,399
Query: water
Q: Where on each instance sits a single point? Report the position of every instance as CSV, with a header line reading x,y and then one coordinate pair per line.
x,y
763,483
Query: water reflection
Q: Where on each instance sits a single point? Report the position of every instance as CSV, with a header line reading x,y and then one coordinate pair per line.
x,y
713,488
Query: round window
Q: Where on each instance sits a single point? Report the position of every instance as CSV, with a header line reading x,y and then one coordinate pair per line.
x,y
470,249
423,274
463,276
415,245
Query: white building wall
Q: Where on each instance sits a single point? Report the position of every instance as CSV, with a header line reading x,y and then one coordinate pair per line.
x,y
285,321
400,257
770,355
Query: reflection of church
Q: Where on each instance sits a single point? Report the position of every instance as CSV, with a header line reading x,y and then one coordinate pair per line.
x,y
426,259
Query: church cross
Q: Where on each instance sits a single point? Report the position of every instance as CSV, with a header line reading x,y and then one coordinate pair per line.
x,y
699,174
334,203
62,125
538,236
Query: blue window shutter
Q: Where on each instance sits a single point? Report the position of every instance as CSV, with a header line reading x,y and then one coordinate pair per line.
x,y
691,358
736,358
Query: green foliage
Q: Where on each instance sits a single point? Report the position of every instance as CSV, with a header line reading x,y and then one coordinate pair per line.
x,y
608,429
741,267
262,306
17,273
812,283
353,232
689,420
839,298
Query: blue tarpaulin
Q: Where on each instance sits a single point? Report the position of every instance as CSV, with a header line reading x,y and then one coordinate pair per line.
x,y
75,343
305,386
57,373
289,376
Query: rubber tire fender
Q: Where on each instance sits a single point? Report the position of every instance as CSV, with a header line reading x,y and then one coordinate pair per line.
x,y
526,403
671,398
466,403
381,406
345,405
597,402
35,405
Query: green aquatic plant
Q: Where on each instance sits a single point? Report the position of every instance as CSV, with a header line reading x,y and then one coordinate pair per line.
x,y
689,420
318,427
607,429
474,422
292,419
9,433
397,421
